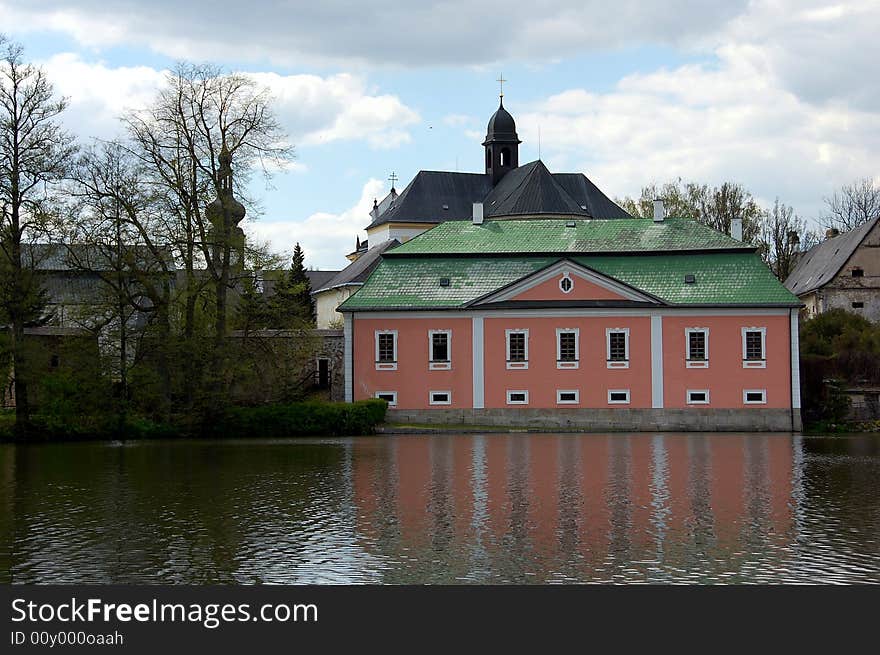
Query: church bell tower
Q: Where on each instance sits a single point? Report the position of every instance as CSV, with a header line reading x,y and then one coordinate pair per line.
x,y
501,144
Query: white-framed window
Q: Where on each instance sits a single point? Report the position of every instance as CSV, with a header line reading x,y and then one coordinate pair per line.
x,y
754,347
517,397
617,347
567,347
568,396
566,284
754,396
389,396
697,396
439,350
618,396
440,397
517,348
696,347
386,350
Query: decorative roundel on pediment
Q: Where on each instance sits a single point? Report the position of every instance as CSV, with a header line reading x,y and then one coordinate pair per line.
x,y
566,284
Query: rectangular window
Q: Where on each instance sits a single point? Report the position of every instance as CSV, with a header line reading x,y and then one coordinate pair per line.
x,y
440,398
617,347
440,349
858,305
567,349
698,397
697,343
858,272
567,396
755,396
517,348
386,350
754,347
517,397
389,396
618,396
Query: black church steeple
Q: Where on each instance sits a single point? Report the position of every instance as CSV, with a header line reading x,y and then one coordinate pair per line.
x,y
501,144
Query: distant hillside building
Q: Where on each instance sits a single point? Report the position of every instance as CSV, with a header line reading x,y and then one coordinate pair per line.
x,y
842,272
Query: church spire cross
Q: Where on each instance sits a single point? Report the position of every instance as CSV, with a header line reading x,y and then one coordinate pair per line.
x,y
393,178
501,82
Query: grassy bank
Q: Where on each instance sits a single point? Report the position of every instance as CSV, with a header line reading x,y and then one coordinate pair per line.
x,y
309,418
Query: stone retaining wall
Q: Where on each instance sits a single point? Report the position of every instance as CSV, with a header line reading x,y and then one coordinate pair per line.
x,y
628,420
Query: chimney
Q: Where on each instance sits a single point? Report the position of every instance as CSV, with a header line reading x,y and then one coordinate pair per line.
x,y
736,228
659,211
478,213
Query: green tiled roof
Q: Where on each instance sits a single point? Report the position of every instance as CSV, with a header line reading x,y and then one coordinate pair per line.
x,y
738,278
552,236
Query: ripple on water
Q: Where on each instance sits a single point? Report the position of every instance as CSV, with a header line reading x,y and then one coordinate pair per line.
x,y
445,509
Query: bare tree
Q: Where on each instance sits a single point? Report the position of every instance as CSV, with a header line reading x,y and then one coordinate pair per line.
x,y
34,153
201,115
852,205
187,140
119,236
711,206
784,237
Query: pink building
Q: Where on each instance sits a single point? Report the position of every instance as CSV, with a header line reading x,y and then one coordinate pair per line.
x,y
542,311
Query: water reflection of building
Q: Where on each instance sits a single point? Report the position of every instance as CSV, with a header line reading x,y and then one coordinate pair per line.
x,y
550,507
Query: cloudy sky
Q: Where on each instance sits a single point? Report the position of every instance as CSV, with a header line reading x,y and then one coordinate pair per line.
x,y
779,95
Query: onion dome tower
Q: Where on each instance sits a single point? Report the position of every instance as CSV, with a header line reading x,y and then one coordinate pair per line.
x,y
501,144
225,213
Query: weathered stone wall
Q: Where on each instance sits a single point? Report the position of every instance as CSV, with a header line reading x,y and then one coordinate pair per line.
x,y
864,403
332,347
629,420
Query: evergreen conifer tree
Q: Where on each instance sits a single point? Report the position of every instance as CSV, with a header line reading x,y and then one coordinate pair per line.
x,y
291,306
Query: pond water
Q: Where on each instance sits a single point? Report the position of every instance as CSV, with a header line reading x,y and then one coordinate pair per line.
x,y
497,508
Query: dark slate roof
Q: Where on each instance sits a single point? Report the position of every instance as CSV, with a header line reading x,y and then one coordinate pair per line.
x,y
440,196
423,200
77,257
317,279
530,190
360,269
821,263
586,194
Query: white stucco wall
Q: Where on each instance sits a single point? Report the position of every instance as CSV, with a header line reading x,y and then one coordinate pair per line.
x,y
326,303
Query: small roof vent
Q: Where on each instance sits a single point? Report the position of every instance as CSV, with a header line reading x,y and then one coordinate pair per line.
x,y
690,278
584,207
570,224
444,281
445,206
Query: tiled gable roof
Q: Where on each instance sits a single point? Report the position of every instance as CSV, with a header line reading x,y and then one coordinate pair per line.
x,y
566,235
821,263
722,278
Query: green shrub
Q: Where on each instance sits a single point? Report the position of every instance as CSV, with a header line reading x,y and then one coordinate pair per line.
x,y
300,419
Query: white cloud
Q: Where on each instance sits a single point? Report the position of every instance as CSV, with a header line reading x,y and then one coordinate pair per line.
x,y
386,32
313,110
99,94
339,107
655,128
325,237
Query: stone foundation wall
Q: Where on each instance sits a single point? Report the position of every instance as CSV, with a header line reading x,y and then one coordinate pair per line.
x,y
623,420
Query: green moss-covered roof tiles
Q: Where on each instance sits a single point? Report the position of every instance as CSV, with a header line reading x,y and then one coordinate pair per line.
x,y
558,236
721,278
